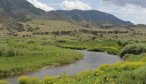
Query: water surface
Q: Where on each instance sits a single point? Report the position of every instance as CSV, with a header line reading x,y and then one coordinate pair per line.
x,y
91,60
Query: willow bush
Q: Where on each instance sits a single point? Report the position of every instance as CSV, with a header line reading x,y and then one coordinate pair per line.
x,y
136,48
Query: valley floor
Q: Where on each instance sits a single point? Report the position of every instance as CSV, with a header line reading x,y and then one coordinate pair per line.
x,y
21,55
45,43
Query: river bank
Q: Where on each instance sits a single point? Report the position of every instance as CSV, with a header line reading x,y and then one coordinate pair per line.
x,y
90,61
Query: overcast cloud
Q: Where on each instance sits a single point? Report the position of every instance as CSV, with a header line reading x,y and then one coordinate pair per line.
x,y
74,4
141,3
128,10
40,5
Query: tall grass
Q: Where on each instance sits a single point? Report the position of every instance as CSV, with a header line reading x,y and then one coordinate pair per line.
x,y
131,71
109,46
133,58
23,53
119,73
136,48
3,82
137,76
21,56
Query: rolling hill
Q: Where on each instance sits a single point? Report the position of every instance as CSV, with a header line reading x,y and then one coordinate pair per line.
x,y
95,16
21,10
15,13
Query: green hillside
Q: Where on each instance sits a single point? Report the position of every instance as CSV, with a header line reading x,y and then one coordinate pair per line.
x,y
32,39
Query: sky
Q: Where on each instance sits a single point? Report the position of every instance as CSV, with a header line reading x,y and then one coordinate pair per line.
x,y
128,10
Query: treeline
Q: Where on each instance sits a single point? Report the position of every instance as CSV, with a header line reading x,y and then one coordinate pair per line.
x,y
120,26
80,31
103,31
53,33
75,32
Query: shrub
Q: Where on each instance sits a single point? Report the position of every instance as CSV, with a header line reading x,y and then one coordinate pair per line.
x,y
31,41
124,43
1,52
136,49
61,41
10,52
2,82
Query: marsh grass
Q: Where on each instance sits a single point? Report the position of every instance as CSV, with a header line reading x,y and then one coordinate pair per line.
x,y
121,72
131,71
109,46
22,56
133,58
31,54
3,82
136,49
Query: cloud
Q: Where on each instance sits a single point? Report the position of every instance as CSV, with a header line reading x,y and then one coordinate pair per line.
x,y
75,4
141,3
129,12
40,5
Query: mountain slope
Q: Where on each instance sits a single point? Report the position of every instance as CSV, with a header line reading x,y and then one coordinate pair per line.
x,y
22,10
19,9
92,16
13,13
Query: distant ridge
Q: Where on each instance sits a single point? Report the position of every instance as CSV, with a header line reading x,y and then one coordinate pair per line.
x,y
92,16
23,10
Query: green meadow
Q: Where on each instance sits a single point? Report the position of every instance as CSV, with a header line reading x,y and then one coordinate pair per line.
x,y
129,71
19,56
45,43
69,39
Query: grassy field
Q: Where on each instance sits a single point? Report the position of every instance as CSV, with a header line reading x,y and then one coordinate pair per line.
x,y
119,73
110,46
19,56
80,31
130,71
39,43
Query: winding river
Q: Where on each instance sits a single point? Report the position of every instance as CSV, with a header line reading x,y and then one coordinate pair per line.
x,y
91,60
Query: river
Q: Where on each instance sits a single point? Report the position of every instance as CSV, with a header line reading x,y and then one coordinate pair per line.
x,y
90,61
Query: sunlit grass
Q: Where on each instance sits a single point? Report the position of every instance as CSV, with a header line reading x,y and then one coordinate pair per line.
x,y
22,56
105,74
109,46
131,71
